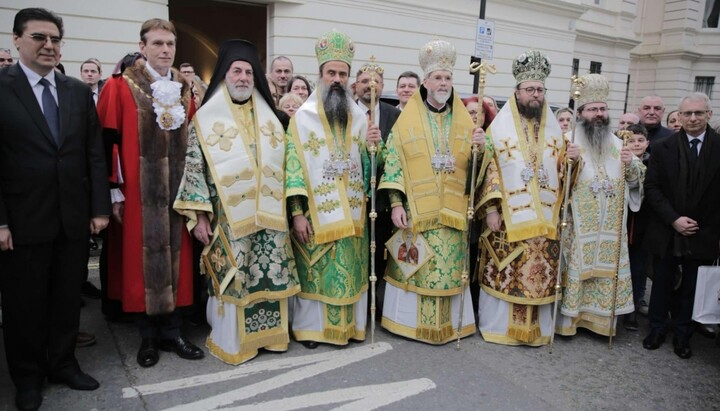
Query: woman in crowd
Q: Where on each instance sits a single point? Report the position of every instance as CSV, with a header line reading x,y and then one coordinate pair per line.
x,y
673,121
290,103
301,86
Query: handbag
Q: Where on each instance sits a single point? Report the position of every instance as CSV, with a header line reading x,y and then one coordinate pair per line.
x,y
706,309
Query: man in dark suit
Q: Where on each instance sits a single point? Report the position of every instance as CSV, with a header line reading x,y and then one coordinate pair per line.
x,y
651,112
683,231
385,116
53,194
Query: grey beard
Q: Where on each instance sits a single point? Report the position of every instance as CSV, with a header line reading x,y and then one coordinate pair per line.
x,y
596,133
335,102
239,95
531,113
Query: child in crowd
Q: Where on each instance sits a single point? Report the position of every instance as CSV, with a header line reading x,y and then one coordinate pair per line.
x,y
638,144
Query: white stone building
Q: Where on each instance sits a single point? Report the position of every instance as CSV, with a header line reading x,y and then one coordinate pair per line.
x,y
642,46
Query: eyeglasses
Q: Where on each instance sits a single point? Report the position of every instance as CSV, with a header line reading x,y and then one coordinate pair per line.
x,y
533,90
43,38
688,114
595,109
9,60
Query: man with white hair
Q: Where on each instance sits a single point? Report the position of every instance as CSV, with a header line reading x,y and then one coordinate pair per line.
x,y
232,193
628,119
596,237
683,230
326,172
651,112
427,163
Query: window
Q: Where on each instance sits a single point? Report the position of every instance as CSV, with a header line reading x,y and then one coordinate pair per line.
x,y
712,11
595,67
704,85
575,67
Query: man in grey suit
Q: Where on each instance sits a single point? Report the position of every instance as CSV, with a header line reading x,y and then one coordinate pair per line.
x,y
53,195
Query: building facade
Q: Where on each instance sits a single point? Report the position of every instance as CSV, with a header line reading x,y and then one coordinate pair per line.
x,y
642,46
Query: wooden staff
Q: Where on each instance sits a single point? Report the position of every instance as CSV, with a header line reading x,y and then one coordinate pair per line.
x,y
481,68
374,70
624,134
577,83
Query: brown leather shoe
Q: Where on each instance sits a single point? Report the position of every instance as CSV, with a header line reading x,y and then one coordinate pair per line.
x,y
84,339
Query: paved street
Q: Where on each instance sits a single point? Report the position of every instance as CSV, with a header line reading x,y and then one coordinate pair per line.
x,y
394,374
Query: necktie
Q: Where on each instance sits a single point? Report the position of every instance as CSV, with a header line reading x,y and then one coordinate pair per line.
x,y
50,109
693,148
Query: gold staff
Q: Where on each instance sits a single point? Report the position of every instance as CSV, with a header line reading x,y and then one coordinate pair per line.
x,y
577,83
624,134
481,68
374,70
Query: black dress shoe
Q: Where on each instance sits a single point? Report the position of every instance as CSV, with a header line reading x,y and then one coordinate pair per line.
x,y
630,322
182,347
147,355
28,400
706,330
84,339
311,345
654,340
89,290
681,348
78,381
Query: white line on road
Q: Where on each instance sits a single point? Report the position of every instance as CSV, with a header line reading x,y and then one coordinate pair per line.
x,y
368,397
254,368
322,363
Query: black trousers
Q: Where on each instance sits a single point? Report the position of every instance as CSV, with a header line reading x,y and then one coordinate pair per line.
x,y
165,326
679,303
40,286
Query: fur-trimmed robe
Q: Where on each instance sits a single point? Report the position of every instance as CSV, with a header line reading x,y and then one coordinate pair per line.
x,y
150,254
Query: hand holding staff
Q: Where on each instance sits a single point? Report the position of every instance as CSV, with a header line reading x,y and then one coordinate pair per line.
x,y
374,70
481,68
624,134
577,84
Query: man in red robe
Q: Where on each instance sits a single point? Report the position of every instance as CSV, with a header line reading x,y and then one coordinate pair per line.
x,y
144,114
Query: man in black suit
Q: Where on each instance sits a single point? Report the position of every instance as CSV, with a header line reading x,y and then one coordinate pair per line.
x,y
53,194
385,116
683,231
651,112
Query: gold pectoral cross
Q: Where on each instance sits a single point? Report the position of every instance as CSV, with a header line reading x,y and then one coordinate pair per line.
x,y
507,149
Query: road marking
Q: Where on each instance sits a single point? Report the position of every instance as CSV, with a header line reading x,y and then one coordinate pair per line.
x,y
352,354
318,364
368,397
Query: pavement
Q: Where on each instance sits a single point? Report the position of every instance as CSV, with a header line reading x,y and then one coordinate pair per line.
x,y
582,373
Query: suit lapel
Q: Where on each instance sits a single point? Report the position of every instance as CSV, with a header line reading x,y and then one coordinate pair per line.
x,y
21,87
64,102
712,144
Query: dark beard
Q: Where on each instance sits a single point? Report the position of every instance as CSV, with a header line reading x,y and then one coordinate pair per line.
x,y
530,113
596,132
335,103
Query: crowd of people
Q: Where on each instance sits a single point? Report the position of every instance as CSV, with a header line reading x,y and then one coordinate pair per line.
x,y
268,193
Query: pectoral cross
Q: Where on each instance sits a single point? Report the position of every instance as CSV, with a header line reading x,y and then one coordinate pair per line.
x,y
507,149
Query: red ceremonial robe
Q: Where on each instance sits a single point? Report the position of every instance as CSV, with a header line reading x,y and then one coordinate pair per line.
x,y
146,274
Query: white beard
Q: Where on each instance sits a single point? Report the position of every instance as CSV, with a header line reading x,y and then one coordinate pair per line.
x,y
440,96
239,95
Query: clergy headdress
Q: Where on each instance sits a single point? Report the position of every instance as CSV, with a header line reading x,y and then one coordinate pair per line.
x,y
232,51
437,55
531,66
335,46
594,88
